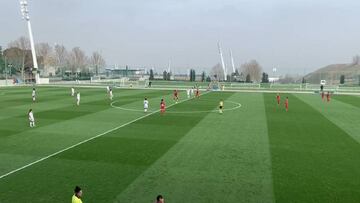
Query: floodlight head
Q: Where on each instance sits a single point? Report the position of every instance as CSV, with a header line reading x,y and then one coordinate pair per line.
x,y
24,3
24,10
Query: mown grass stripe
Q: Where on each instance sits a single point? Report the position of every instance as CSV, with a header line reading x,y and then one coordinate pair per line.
x,y
75,145
313,160
229,164
61,112
348,99
342,114
47,138
125,149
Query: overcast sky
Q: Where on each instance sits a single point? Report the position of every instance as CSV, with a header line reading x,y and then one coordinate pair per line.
x,y
292,35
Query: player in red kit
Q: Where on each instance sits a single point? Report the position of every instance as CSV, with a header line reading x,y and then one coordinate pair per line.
x,y
322,95
162,106
176,96
197,93
287,104
328,96
278,98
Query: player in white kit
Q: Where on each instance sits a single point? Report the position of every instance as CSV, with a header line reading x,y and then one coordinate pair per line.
x,y
111,94
33,95
72,92
188,93
31,118
107,89
78,99
146,105
191,92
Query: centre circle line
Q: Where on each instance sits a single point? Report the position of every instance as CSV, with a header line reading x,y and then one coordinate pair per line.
x,y
238,105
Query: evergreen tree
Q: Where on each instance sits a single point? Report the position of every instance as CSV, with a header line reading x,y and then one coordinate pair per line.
x,y
164,75
151,77
203,76
342,79
192,75
303,81
208,79
248,78
265,78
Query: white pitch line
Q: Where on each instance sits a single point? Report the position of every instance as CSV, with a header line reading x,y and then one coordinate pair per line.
x,y
87,140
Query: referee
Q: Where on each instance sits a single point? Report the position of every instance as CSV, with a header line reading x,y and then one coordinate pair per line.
x,y
221,106
76,198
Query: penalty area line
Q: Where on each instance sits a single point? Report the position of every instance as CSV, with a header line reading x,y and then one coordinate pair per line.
x,y
87,140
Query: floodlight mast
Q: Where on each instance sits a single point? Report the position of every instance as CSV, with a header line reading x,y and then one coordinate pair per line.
x,y
232,61
25,16
222,61
169,66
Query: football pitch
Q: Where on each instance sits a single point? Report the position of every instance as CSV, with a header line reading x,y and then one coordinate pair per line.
x,y
254,152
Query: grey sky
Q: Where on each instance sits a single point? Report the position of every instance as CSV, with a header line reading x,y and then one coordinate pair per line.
x,y
292,35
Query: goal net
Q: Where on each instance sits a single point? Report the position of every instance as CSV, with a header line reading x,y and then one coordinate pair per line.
x,y
123,82
132,83
215,85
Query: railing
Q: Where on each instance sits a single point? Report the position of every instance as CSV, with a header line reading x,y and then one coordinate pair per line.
x,y
227,86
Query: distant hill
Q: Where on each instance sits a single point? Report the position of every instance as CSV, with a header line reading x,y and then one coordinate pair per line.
x,y
332,73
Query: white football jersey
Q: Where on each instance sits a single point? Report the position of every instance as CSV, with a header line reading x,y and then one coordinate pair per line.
x,y
146,103
31,116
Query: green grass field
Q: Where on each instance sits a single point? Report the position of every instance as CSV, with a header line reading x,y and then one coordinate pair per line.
x,y
117,153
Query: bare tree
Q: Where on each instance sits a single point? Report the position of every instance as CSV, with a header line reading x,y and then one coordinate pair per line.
x,y
217,72
253,69
14,56
97,61
43,49
61,55
77,60
356,60
23,44
46,52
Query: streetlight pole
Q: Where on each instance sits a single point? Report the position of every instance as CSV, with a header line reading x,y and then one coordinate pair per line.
x,y
8,71
25,16
6,83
